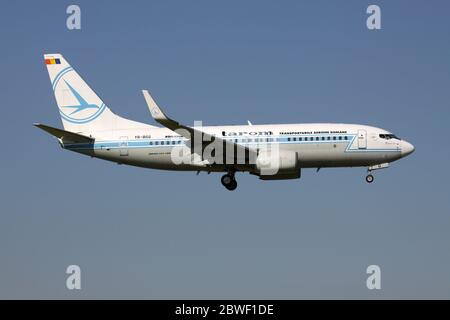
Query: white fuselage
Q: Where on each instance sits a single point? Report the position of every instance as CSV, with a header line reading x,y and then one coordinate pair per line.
x,y
318,145
272,152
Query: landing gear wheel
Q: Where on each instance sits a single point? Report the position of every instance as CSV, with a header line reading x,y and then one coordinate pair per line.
x,y
229,182
369,178
232,186
226,179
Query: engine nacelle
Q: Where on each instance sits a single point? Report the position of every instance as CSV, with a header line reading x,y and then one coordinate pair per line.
x,y
278,165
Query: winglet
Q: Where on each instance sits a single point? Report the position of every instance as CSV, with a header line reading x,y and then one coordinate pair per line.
x,y
156,111
158,114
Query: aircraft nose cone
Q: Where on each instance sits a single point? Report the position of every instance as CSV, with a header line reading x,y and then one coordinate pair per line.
x,y
407,148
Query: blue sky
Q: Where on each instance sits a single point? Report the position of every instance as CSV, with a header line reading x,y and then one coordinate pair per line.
x,y
140,233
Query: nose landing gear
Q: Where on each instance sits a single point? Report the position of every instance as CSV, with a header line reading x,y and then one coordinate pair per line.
x,y
369,177
228,180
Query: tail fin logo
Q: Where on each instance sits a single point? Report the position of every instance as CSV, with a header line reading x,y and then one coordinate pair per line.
x,y
82,112
82,103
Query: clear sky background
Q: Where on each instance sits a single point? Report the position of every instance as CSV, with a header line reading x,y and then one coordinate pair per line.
x,y
139,233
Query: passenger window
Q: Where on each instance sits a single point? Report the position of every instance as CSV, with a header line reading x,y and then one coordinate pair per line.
x,y
340,138
334,138
323,138
328,138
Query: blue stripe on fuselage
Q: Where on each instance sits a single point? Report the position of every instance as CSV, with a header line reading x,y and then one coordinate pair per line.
x,y
145,143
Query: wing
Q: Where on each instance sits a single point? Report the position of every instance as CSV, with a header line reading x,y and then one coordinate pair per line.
x,y
231,152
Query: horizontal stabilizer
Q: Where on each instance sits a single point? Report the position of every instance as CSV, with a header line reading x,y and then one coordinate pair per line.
x,y
65,136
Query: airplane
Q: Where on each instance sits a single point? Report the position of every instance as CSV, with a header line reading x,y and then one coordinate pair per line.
x,y
270,151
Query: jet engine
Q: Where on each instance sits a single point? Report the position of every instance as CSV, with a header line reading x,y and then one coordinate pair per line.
x,y
271,165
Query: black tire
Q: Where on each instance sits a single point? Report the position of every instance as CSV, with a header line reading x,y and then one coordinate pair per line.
x,y
369,178
226,180
232,186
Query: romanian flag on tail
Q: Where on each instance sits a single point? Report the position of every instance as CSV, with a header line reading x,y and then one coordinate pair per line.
x,y
52,61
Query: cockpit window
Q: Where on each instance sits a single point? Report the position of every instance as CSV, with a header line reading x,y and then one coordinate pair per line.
x,y
388,136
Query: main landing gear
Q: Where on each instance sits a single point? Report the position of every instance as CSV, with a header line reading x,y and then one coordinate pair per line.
x,y
228,180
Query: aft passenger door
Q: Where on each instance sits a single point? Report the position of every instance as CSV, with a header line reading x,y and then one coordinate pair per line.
x,y
123,145
362,139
